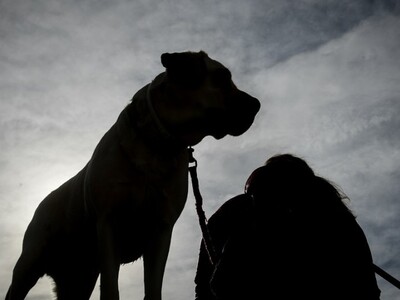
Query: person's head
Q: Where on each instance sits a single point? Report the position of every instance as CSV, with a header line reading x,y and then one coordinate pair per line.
x,y
288,182
284,170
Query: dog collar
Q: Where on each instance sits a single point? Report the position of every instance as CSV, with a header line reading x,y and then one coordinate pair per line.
x,y
164,131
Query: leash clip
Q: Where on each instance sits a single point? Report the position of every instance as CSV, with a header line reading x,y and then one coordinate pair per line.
x,y
192,160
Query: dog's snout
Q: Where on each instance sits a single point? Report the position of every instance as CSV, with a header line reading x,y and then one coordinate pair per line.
x,y
254,104
244,111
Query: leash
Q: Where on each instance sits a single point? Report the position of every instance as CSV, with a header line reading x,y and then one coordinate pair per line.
x,y
206,234
199,208
385,275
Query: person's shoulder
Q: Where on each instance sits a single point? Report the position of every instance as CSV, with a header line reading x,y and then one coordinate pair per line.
x,y
229,216
236,204
233,208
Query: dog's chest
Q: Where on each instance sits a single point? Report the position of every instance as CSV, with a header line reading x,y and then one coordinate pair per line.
x,y
158,194
144,210
149,188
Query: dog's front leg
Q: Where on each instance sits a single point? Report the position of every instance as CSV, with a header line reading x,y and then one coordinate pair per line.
x,y
109,262
154,260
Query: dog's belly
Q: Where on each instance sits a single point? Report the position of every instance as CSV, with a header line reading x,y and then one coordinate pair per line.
x,y
131,249
130,238
131,226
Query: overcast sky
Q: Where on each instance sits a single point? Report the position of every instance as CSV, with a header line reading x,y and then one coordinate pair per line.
x,y
327,74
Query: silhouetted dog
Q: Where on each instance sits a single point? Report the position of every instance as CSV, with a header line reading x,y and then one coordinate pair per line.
x,y
124,203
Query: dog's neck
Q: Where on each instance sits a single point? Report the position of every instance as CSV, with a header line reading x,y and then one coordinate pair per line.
x,y
145,122
166,135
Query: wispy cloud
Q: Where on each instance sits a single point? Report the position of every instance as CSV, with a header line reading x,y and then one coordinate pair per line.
x,y
327,75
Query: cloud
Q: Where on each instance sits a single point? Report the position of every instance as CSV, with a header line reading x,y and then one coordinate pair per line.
x,y
327,75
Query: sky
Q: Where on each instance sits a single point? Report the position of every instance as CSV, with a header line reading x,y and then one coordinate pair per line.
x,y
327,74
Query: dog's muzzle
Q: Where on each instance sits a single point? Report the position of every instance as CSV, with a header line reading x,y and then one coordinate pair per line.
x,y
242,113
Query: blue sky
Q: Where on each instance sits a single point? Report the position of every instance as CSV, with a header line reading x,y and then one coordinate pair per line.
x,y
326,72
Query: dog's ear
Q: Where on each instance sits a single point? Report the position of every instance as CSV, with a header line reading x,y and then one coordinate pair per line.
x,y
186,68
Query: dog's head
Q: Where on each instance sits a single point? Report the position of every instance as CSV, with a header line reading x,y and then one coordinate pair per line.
x,y
196,97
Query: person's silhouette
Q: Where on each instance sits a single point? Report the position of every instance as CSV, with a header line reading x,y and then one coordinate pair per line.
x,y
289,236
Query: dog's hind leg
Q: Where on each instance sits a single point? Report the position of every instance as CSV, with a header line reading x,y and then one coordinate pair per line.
x,y
31,264
26,274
